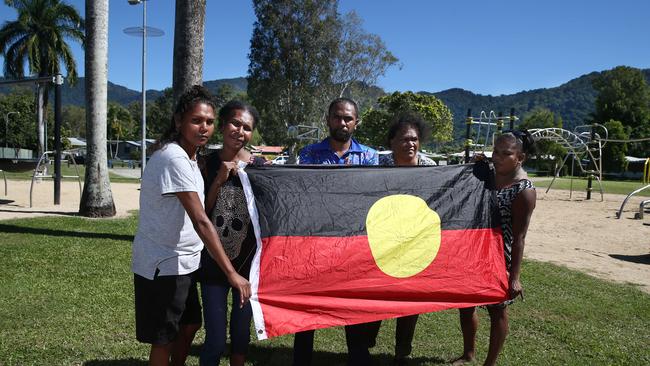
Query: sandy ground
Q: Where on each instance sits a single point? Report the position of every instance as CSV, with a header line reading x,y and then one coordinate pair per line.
x,y
579,234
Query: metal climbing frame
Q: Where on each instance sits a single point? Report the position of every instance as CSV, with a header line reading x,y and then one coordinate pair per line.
x,y
620,210
580,144
485,119
40,173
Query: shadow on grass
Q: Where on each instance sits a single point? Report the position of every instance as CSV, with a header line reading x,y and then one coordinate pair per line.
x,y
125,362
281,356
52,232
642,259
62,213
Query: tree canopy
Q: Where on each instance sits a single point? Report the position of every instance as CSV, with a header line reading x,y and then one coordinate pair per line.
x,y
544,149
613,154
376,121
624,96
303,54
20,126
39,36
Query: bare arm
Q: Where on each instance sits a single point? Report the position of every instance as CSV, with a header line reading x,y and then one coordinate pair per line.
x,y
522,210
192,204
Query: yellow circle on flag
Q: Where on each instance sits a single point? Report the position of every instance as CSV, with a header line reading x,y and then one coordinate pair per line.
x,y
404,234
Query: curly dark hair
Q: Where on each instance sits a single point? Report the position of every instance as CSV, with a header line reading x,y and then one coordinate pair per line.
x,y
523,138
408,119
236,105
191,97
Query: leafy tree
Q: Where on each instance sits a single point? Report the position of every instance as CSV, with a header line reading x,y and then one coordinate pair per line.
x,y
291,53
97,197
159,114
20,126
541,118
624,95
375,122
544,118
121,125
613,154
303,54
362,57
37,37
73,119
226,92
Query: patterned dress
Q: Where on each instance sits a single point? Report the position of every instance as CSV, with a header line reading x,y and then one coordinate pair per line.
x,y
389,160
505,197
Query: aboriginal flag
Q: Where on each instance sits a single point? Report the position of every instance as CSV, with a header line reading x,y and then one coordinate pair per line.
x,y
344,245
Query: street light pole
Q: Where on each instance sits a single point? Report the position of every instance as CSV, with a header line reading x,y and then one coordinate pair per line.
x,y
143,145
144,32
7,131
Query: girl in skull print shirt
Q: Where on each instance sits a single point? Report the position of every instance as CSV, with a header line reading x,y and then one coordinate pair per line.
x,y
225,204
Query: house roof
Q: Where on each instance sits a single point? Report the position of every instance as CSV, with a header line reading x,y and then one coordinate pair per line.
x,y
632,159
268,149
76,141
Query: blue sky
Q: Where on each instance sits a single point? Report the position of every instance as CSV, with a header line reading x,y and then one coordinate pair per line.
x,y
485,46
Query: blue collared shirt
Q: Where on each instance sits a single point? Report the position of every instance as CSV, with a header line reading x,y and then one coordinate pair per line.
x,y
322,153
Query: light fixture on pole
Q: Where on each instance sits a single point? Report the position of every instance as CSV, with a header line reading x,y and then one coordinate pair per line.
x,y
7,131
143,32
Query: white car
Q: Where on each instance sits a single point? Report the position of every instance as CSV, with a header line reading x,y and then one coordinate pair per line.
x,y
280,160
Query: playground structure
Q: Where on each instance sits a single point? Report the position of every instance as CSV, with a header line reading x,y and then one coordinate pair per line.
x,y
488,120
57,82
645,203
41,171
584,144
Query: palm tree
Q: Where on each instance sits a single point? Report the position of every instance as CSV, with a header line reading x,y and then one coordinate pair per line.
x,y
188,45
97,197
38,38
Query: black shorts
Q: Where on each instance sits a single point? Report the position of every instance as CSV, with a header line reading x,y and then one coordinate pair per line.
x,y
162,305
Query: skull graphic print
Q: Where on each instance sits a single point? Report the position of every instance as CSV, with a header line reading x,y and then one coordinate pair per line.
x,y
230,217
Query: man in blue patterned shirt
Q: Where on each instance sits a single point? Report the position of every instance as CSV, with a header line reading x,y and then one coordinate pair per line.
x,y
340,147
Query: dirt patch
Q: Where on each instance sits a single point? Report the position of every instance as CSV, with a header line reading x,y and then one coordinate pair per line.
x,y
586,235
16,203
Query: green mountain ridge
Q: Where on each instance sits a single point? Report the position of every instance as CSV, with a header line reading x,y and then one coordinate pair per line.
x,y
573,100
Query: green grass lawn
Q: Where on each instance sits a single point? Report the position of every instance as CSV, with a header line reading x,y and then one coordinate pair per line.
x,y
580,185
68,170
67,299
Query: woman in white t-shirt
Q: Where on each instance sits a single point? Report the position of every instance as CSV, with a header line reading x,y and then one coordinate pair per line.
x,y
172,231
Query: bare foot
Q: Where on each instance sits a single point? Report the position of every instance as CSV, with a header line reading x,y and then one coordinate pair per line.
x,y
464,359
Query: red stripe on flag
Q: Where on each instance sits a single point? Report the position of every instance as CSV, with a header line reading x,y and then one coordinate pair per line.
x,y
318,282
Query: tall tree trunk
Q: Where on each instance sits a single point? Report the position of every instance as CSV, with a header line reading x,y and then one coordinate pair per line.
x,y
40,118
97,197
188,45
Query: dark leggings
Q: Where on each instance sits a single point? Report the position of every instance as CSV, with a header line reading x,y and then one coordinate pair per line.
x,y
215,316
403,334
356,338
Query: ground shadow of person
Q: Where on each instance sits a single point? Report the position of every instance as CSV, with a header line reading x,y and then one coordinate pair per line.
x,y
641,259
258,354
124,362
